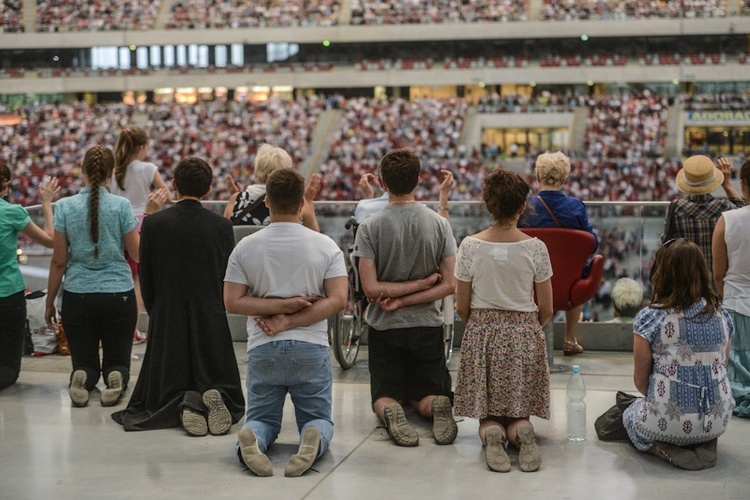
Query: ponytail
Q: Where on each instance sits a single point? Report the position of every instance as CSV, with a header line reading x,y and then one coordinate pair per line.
x,y
126,148
97,165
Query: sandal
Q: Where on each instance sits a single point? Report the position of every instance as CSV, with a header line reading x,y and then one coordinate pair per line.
x,y
572,348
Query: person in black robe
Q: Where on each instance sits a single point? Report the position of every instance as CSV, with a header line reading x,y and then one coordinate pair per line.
x,y
189,374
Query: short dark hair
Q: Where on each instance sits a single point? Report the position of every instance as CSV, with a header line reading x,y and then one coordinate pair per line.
x,y
399,169
504,193
193,177
285,189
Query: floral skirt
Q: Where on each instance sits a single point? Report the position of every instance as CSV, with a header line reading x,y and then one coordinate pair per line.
x,y
503,370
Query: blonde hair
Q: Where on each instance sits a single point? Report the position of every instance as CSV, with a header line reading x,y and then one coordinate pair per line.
x,y
126,149
552,168
268,160
627,297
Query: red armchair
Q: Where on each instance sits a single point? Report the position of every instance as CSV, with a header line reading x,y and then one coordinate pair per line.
x,y
569,249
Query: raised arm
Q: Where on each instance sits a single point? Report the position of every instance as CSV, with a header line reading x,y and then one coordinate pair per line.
x,y
445,190
309,220
47,192
444,287
377,290
720,260
336,290
159,183
726,168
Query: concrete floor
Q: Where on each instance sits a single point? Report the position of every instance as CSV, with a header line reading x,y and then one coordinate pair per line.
x,y
50,450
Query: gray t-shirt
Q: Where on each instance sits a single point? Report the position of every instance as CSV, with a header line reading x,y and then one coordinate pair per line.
x,y
407,243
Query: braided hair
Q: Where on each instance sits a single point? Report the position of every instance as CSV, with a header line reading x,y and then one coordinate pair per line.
x,y
97,165
126,148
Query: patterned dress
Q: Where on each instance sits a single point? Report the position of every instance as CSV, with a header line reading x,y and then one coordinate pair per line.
x,y
689,400
503,370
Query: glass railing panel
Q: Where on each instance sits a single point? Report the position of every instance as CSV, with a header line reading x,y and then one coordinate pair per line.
x,y
629,234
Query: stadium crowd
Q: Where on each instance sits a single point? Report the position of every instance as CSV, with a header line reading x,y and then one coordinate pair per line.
x,y
571,10
371,12
97,15
11,16
202,14
49,138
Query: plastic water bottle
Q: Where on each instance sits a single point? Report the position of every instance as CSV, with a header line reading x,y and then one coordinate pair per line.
x,y
576,406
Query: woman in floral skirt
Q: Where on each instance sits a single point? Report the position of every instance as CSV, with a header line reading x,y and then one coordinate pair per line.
x,y
503,378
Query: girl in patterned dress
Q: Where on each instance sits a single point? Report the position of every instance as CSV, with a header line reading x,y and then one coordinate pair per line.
x,y
503,377
680,349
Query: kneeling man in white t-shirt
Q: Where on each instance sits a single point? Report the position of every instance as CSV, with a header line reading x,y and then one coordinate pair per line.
x,y
288,279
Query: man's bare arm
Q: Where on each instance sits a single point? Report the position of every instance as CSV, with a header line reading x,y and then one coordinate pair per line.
x,y
378,290
445,287
336,290
237,301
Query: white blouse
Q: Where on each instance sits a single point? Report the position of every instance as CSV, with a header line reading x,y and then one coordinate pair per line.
x,y
502,275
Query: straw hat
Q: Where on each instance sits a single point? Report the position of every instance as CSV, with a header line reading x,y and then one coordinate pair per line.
x,y
699,176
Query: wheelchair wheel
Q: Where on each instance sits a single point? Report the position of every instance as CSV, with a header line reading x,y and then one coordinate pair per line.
x,y
448,342
348,327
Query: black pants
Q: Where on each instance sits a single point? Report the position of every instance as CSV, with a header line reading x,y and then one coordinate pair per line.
x,y
109,318
12,325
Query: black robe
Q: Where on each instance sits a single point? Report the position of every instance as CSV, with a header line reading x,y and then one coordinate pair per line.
x,y
184,254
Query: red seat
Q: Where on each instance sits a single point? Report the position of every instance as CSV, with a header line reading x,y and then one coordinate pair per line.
x,y
569,249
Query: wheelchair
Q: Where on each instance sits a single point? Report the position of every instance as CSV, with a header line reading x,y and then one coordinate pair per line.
x,y
346,328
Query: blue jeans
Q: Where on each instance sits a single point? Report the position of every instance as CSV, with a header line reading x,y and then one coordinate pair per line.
x,y
289,366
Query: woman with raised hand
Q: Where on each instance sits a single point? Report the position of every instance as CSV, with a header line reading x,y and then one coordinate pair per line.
x,y
13,220
134,179
98,305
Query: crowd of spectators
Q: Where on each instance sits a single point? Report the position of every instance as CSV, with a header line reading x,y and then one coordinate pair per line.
x,y
371,127
199,14
11,16
108,15
96,15
544,102
572,10
50,139
374,12
720,101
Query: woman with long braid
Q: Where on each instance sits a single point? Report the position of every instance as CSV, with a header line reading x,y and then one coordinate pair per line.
x,y
91,230
133,179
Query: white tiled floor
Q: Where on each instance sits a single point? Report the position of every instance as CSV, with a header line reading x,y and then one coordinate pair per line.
x,y
50,450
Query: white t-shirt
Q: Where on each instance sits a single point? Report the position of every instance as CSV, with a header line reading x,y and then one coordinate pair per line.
x,y
285,260
737,280
138,180
502,275
368,207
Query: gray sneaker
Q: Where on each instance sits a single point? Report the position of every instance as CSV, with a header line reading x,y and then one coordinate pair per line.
x,y
444,426
496,456
78,392
529,455
251,454
193,422
219,418
398,427
111,395
308,452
